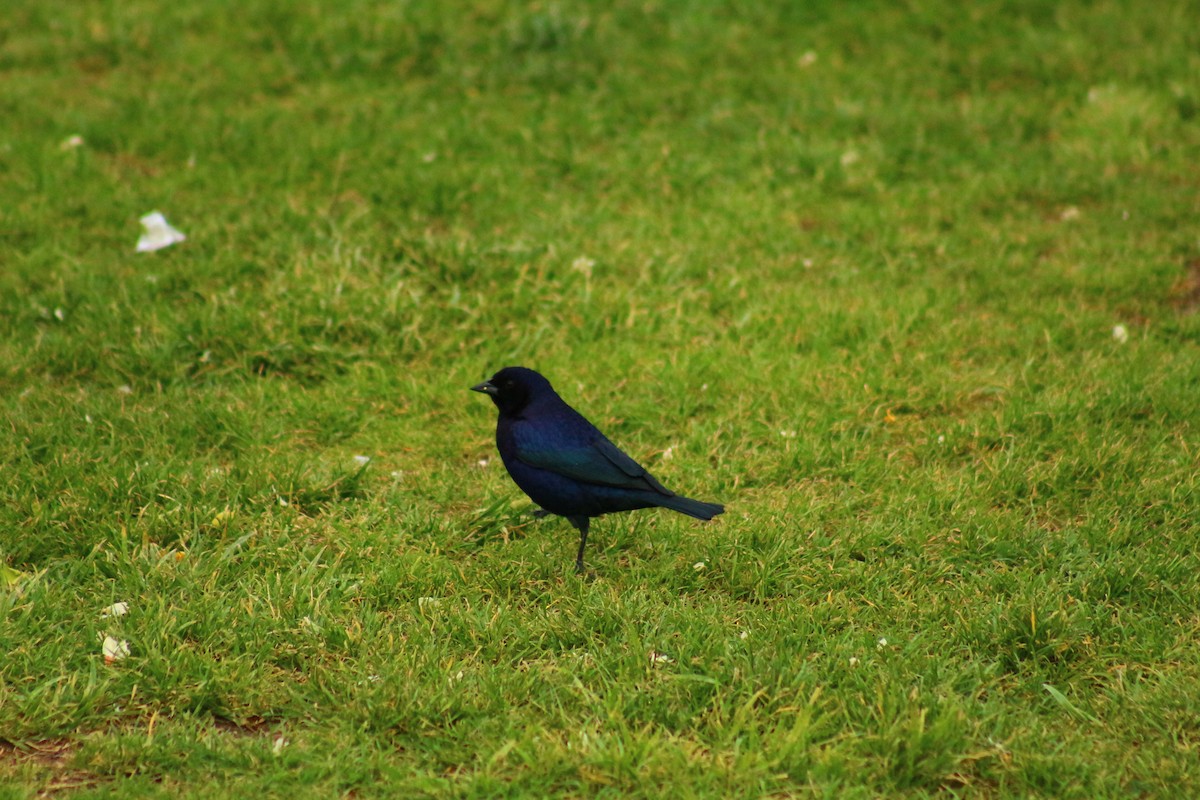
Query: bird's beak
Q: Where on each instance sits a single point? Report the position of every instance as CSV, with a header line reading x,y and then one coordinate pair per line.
x,y
486,387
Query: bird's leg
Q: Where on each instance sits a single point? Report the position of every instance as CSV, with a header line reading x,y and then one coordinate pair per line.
x,y
582,524
541,512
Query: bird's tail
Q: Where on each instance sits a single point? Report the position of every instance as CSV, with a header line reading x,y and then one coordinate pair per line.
x,y
693,508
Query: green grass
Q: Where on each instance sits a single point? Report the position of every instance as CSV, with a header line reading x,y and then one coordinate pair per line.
x,y
857,265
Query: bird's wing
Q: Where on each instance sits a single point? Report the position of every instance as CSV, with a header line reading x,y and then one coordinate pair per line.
x,y
598,461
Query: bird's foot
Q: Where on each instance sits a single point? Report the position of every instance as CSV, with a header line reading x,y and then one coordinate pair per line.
x,y
541,512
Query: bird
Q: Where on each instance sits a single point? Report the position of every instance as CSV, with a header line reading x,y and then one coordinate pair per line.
x,y
565,464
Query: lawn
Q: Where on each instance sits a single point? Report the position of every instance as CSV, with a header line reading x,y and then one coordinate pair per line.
x,y
912,288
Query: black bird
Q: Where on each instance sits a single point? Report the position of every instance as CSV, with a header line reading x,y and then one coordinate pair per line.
x,y
564,463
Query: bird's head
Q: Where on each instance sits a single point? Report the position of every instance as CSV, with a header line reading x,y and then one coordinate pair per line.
x,y
512,388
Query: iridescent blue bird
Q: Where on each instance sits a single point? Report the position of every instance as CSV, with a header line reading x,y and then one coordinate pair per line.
x,y
564,463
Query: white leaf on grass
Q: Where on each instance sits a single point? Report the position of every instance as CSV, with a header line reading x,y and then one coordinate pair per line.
x,y
114,649
115,610
159,233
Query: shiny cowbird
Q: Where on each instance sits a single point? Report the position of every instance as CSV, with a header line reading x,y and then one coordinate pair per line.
x,y
564,463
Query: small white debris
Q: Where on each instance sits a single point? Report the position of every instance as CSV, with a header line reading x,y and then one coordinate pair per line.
x,y
849,157
278,745
1069,213
807,263
88,419
699,566
853,661
59,314
584,265
669,453
941,440
114,649
124,388
788,434
373,679
458,676
115,610
808,59
159,233
429,157
205,357
660,658
482,463
428,602
71,143
704,387
362,461
283,502
882,643
397,474
1120,334
744,635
